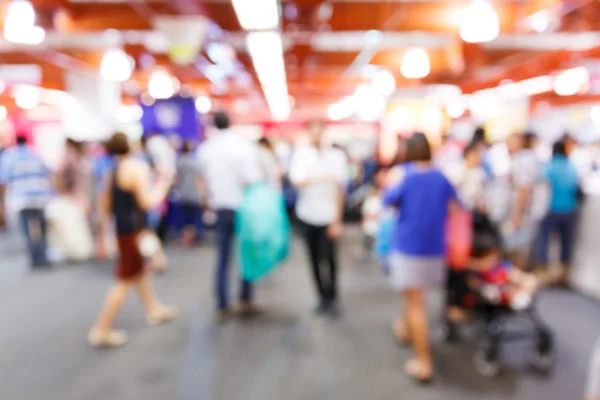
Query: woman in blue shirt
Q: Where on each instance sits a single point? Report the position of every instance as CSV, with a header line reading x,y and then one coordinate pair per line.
x,y
562,177
423,198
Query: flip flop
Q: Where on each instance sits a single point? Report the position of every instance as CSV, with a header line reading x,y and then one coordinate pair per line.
x,y
414,369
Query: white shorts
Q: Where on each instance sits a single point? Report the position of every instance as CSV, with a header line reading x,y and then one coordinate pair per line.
x,y
414,272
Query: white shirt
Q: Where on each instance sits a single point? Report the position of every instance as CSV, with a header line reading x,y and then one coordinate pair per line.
x,y
162,153
270,168
470,184
526,172
228,163
371,210
317,202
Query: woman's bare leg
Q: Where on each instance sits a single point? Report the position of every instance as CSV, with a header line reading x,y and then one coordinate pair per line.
x,y
159,260
147,294
416,317
401,331
114,301
102,333
155,310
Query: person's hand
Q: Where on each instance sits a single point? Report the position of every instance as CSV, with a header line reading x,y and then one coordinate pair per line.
x,y
516,222
101,248
334,231
166,177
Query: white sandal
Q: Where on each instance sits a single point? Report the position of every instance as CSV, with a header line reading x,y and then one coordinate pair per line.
x,y
111,339
163,315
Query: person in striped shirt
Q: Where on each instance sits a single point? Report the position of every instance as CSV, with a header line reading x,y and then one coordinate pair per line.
x,y
27,184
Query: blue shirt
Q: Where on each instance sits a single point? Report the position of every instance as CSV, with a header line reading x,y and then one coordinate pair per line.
x,y
28,179
422,198
564,182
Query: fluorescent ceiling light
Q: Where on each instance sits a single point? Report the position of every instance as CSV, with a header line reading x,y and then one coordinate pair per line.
x,y
571,81
537,85
256,15
266,51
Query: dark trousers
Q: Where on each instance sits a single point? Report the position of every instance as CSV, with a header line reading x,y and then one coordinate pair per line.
x,y
225,230
322,254
561,224
190,214
35,229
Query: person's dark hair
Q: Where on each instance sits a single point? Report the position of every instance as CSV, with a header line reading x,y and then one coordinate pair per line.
x,y
221,120
529,139
470,148
484,245
400,157
187,147
21,139
559,149
266,143
76,145
118,144
315,123
479,135
417,148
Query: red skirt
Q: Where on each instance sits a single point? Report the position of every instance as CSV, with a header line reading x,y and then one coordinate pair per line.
x,y
130,262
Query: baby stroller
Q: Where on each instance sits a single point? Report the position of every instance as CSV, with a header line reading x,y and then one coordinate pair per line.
x,y
493,319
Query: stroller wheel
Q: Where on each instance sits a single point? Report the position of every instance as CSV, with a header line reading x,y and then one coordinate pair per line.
x,y
542,359
448,332
542,356
485,365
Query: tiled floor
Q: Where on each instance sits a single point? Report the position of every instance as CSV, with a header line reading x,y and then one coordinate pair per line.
x,y
287,354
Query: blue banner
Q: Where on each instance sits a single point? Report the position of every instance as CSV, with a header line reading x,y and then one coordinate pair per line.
x,y
174,116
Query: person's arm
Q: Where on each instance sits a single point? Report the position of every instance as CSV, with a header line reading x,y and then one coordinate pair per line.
x,y
454,205
525,176
393,196
340,176
148,195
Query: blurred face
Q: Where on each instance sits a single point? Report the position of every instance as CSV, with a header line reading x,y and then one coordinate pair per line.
x,y
514,143
315,132
487,262
380,178
473,158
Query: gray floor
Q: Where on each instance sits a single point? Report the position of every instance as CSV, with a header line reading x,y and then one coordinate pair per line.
x,y
287,354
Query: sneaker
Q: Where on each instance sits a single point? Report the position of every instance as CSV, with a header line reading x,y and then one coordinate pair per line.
x,y
223,314
321,308
333,310
249,310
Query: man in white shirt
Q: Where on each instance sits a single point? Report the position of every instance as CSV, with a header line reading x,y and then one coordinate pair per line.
x,y
523,218
228,163
320,173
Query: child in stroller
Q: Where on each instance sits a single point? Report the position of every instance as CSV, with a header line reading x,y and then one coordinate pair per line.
x,y
494,290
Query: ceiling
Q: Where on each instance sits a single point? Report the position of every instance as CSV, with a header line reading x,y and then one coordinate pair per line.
x,y
328,49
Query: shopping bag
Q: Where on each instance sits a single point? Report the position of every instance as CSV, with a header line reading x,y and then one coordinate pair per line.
x,y
262,231
459,237
69,231
382,247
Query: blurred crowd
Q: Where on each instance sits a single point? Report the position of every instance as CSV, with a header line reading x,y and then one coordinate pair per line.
x,y
128,198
